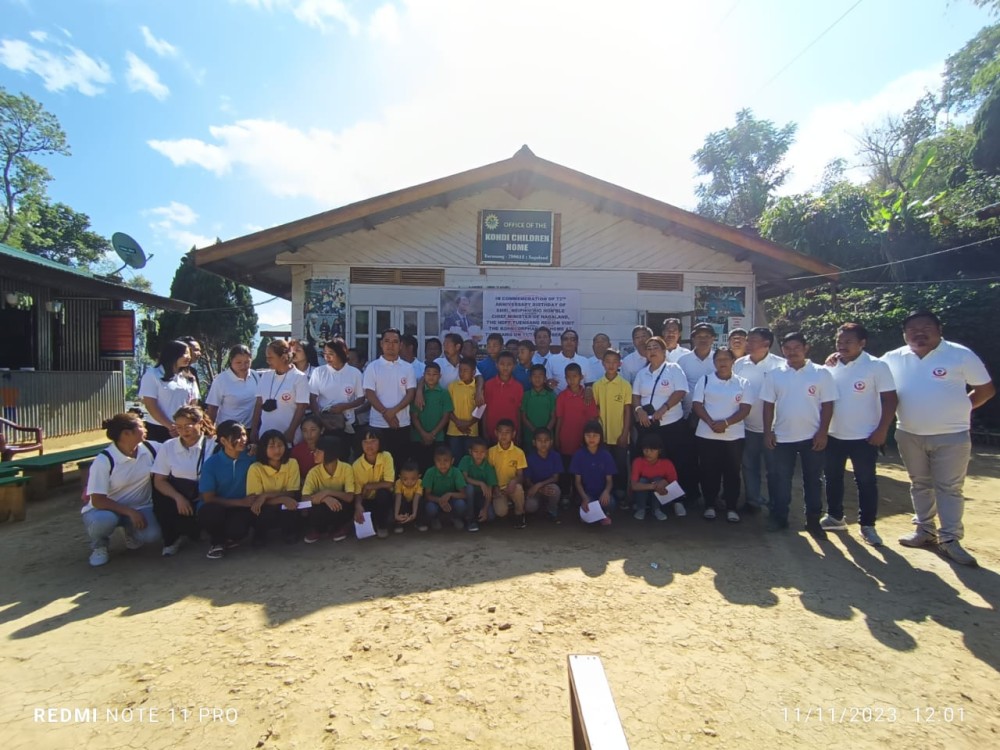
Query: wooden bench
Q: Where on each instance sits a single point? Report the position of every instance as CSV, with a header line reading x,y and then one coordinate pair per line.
x,y
596,724
46,472
12,497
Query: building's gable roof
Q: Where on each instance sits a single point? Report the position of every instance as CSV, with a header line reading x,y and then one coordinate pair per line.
x,y
250,259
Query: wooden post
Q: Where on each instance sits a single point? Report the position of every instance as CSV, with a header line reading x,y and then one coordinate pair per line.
x,y
596,724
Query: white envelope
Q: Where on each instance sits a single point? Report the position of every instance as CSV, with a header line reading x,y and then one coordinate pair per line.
x,y
366,528
596,513
478,412
674,491
302,505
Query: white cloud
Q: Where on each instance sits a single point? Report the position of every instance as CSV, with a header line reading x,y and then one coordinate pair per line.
x,y
161,47
192,151
173,222
141,77
68,69
316,13
174,213
384,24
38,36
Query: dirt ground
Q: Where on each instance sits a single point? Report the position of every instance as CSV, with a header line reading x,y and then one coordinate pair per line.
x,y
736,638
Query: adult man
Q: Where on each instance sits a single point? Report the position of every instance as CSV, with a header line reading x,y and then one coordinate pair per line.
x,y
697,363
757,361
798,401
594,370
390,385
864,409
671,334
543,342
408,353
932,376
194,350
460,317
636,361
555,366
738,342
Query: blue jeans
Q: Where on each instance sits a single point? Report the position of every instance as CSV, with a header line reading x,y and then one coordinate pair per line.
x,y
459,446
101,524
863,458
784,468
646,499
458,509
753,452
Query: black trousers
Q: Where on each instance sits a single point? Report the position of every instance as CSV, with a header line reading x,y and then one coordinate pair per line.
x,y
223,523
720,462
322,519
398,443
172,524
381,507
679,449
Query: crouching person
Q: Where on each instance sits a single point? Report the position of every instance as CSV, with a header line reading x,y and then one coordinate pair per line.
x,y
225,513
329,486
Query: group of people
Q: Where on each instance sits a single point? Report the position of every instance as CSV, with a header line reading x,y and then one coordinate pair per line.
x,y
312,451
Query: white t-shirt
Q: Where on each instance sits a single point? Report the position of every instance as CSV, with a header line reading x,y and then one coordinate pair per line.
x,y
332,387
129,484
859,404
555,369
754,375
695,369
594,370
631,364
418,368
933,399
539,359
449,372
390,381
722,399
170,395
671,379
177,460
676,354
288,390
797,396
233,396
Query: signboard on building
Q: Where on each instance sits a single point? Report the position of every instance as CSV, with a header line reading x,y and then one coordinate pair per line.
x,y
518,238
116,334
324,310
724,307
514,313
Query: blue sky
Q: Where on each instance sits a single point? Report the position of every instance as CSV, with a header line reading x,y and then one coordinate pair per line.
x,y
194,119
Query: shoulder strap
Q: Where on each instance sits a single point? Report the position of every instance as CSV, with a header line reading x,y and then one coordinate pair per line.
x,y
111,460
657,381
150,448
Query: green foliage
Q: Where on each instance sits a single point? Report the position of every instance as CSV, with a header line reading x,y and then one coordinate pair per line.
x,y
985,152
57,232
260,359
744,164
27,132
223,316
971,72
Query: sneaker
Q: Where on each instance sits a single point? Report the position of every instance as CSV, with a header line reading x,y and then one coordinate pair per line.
x,y
640,514
830,523
473,525
99,557
436,524
382,533
521,521
340,535
918,538
215,552
458,523
398,530
954,550
710,514
605,521
679,510
776,524
871,536
131,542
659,515
311,538
733,517
422,527
169,550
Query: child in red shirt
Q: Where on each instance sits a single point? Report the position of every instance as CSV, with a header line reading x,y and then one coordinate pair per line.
x,y
503,396
652,474
572,413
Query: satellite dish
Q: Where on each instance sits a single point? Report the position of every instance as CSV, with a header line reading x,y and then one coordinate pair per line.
x,y
128,250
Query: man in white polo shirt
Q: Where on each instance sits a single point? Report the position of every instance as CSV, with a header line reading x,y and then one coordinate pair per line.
x,y
543,342
753,366
698,362
932,379
636,361
671,334
555,365
865,407
798,401
389,385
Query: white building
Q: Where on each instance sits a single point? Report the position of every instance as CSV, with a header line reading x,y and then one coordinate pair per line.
x,y
600,258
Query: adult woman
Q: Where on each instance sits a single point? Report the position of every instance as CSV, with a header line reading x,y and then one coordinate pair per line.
x,y
282,395
304,356
119,490
165,388
336,390
225,513
721,402
234,390
176,472
374,477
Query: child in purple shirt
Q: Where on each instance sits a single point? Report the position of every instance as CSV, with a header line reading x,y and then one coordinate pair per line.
x,y
594,470
542,476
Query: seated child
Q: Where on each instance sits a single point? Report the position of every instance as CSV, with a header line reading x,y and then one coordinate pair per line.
x,y
481,482
509,462
594,471
275,482
409,492
542,476
329,486
650,474
444,491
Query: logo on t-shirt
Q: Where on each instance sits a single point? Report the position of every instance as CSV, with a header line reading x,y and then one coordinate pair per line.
x,y
860,386
348,390
812,390
286,396
939,372
402,382
739,397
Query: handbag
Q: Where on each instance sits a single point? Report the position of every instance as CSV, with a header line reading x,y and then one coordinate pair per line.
x,y
333,421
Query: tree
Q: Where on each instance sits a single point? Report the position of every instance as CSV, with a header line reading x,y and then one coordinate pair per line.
x,y
985,152
57,232
222,317
27,131
889,149
970,73
744,163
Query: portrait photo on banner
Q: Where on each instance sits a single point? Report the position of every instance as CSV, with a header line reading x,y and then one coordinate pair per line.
x,y
325,309
723,307
461,312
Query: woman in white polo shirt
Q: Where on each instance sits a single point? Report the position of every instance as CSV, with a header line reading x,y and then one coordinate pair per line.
x,y
335,391
721,402
282,395
234,390
119,489
176,472
165,388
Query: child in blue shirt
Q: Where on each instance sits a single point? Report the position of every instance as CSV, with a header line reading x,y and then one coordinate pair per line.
x,y
594,469
542,476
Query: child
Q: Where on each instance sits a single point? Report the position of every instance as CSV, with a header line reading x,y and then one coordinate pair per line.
x,y
470,349
444,488
538,407
304,452
613,396
572,413
509,463
488,364
525,352
374,477
275,481
329,486
462,424
430,422
481,482
542,476
511,346
652,474
594,470
409,489
503,396
225,514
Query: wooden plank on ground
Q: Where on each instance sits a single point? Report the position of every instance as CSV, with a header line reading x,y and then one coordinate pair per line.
x,y
596,724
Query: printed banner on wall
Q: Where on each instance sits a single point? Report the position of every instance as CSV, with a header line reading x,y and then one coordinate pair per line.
x,y
475,313
722,306
325,309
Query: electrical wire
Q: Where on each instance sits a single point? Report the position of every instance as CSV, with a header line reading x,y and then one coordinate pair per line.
x,y
935,281
233,307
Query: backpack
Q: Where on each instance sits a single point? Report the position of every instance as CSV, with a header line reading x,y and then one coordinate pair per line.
x,y
111,460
